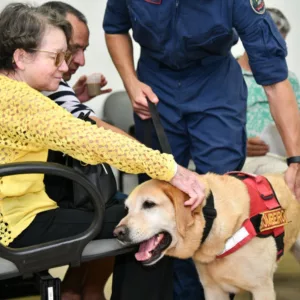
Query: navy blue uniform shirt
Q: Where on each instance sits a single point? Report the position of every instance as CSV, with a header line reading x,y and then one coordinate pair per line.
x,y
180,33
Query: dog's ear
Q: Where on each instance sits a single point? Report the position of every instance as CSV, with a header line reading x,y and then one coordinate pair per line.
x,y
183,214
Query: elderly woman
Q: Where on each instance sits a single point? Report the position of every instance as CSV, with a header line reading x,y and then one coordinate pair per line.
x,y
33,58
259,160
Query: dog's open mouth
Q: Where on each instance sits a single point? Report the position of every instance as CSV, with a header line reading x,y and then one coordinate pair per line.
x,y
150,250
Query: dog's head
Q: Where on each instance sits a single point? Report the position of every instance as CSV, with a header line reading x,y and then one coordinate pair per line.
x,y
158,221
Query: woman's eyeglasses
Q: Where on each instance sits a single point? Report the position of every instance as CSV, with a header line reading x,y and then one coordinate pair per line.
x,y
60,57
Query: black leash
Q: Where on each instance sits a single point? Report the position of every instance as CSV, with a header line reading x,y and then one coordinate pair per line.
x,y
162,138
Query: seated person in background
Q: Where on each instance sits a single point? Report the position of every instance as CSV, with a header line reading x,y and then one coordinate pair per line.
x,y
31,124
65,96
259,160
84,280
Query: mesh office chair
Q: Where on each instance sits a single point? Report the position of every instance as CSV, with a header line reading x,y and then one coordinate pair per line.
x,y
118,111
33,261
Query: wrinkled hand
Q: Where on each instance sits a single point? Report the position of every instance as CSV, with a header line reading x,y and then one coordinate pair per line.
x,y
292,178
256,147
188,182
138,92
81,91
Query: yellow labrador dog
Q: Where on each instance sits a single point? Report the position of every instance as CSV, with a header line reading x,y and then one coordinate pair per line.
x,y
158,221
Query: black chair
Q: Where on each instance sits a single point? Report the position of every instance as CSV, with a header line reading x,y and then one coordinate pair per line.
x,y
34,261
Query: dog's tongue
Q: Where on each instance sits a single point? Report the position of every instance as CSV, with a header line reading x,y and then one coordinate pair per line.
x,y
146,247
144,250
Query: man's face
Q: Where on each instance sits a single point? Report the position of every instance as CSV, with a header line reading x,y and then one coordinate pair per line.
x,y
78,44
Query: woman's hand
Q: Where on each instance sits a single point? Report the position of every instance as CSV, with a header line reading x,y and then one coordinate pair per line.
x,y
188,182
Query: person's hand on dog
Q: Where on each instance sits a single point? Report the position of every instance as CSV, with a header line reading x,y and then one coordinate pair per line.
x,y
188,182
81,90
256,147
292,178
138,93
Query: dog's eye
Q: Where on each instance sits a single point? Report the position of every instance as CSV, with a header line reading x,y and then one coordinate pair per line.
x,y
148,204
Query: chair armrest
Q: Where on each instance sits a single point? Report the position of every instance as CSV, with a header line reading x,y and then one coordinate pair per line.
x,y
63,251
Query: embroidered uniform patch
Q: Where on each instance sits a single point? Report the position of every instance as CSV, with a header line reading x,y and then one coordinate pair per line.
x,y
272,219
258,6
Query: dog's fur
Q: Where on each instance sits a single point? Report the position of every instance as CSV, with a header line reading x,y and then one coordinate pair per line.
x,y
250,268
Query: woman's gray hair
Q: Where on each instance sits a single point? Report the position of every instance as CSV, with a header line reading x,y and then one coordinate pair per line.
x,y
22,26
280,20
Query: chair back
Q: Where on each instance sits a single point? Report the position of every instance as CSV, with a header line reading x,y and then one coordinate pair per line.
x,y
118,110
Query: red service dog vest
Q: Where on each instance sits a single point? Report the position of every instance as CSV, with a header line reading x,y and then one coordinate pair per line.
x,y
267,217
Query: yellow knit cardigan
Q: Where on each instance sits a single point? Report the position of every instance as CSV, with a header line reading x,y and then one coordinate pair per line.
x,y
30,124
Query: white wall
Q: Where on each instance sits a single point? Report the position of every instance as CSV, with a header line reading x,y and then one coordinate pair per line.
x,y
98,59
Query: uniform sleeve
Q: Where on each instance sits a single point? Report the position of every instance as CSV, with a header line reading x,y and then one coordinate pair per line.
x,y
41,124
263,43
116,17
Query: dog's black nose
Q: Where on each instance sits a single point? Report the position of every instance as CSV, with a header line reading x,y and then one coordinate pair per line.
x,y
121,233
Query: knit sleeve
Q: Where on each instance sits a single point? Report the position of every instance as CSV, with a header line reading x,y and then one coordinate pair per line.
x,y
31,122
